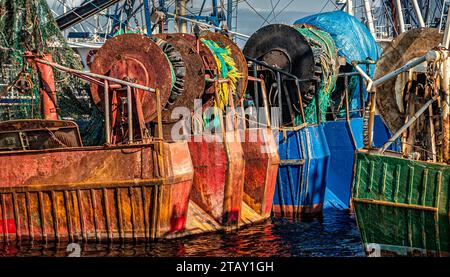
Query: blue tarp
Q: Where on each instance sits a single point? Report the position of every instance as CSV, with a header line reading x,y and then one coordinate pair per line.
x,y
353,40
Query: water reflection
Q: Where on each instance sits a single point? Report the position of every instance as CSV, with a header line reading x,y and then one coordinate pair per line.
x,y
335,234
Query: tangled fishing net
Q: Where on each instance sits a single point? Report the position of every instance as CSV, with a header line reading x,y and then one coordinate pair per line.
x,y
28,25
325,55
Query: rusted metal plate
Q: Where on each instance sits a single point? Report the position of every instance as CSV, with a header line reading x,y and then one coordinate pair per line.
x,y
208,59
37,134
138,59
35,124
194,80
205,53
238,57
75,165
100,201
407,46
261,169
218,177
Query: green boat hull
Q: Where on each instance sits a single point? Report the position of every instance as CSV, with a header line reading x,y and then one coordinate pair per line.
x,y
401,205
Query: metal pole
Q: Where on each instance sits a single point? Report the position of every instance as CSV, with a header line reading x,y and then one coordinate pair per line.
x,y
64,12
106,103
368,10
300,100
161,162
255,85
280,99
148,22
361,96
406,126
432,132
430,56
181,11
93,75
446,108
230,14
418,13
372,108
130,115
347,107
401,21
350,7
208,25
266,103
446,42
407,66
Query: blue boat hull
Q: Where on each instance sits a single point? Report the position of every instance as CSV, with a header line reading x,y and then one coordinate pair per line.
x,y
302,174
343,139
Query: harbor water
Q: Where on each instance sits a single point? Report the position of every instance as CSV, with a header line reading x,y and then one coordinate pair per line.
x,y
335,234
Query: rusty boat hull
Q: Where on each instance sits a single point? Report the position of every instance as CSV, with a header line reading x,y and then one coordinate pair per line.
x,y
95,193
261,169
218,176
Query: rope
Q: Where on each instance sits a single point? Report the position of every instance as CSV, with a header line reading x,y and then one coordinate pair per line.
x,y
325,54
227,70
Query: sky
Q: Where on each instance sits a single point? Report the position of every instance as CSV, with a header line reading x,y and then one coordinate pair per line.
x,y
252,19
296,5
253,14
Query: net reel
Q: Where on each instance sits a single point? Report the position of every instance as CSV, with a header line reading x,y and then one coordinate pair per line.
x,y
400,97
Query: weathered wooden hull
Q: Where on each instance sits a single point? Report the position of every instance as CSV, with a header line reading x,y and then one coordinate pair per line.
x,y
261,169
390,180
403,232
218,176
94,193
402,205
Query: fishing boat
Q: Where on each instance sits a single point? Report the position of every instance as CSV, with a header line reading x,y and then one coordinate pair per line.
x,y
171,186
400,198
304,64
338,134
67,191
345,121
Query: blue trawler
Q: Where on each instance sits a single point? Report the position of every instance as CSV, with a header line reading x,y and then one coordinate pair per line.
x,y
309,71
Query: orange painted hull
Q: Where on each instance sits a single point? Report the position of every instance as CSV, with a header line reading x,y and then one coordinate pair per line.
x,y
261,169
94,193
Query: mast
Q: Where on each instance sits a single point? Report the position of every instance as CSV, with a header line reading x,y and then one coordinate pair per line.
x,y
418,13
181,11
350,7
368,10
401,20
229,14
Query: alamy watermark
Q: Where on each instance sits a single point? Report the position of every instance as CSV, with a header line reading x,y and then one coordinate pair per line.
x,y
212,123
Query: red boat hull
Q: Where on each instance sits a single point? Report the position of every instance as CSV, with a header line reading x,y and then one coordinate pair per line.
x,y
218,176
261,169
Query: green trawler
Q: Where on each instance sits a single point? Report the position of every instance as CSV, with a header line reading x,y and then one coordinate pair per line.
x,y
401,199
402,205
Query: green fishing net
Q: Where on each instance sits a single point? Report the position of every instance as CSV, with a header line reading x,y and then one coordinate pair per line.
x,y
28,25
325,53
